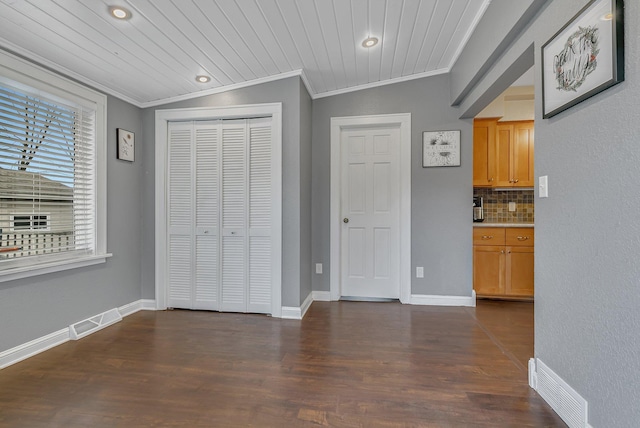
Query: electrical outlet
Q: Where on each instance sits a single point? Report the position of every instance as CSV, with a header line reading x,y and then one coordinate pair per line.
x,y
318,268
419,272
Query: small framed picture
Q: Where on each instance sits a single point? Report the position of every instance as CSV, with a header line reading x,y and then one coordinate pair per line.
x,y
126,145
440,148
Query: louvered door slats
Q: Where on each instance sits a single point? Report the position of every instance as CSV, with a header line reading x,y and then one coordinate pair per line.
x,y
259,299
220,208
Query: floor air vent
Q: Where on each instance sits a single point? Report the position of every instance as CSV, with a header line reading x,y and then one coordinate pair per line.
x,y
566,402
93,324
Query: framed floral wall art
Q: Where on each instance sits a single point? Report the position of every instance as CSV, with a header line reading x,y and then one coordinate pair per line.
x,y
440,148
584,58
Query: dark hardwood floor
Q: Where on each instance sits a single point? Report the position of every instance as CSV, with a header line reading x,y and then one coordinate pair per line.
x,y
347,364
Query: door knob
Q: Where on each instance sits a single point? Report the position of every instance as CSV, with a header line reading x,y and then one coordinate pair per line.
x,y
345,220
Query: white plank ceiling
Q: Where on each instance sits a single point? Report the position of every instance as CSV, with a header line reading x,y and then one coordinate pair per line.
x,y
154,56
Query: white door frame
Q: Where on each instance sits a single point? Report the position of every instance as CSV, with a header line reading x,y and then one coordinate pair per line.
x,y
402,121
163,117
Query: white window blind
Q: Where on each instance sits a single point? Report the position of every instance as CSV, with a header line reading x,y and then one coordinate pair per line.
x,y
47,170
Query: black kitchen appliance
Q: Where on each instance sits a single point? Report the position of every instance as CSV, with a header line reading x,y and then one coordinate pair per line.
x,y
478,209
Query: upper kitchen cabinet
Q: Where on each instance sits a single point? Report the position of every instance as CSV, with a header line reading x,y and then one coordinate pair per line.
x,y
484,152
514,152
503,153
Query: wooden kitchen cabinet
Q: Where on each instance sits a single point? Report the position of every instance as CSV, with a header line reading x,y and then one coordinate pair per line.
x,y
514,154
503,262
484,152
504,153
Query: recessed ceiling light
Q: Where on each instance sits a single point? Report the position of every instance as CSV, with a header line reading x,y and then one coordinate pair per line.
x,y
119,12
202,78
370,42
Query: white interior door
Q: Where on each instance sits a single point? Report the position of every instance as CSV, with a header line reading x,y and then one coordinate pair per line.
x,y
370,205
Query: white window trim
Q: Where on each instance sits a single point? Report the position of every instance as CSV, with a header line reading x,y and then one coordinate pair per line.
x,y
21,71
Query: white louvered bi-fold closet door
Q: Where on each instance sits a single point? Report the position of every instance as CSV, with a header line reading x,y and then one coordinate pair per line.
x,y
220,215
246,216
193,215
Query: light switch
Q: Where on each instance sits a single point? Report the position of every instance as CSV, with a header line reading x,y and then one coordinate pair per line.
x,y
318,268
419,272
512,206
543,186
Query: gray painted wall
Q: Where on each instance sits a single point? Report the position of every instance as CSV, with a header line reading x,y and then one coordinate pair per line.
x,y
440,209
587,231
33,307
305,193
286,91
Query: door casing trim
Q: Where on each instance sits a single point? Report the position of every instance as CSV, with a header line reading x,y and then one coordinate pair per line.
x,y
338,124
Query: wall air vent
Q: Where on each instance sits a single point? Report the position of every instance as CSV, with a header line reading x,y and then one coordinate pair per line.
x,y
93,324
563,399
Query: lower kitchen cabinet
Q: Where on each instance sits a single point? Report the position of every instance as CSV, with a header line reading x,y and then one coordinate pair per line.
x,y
503,262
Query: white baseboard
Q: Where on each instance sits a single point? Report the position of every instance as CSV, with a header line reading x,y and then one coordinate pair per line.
x,y
297,313
321,296
138,305
41,344
36,346
564,400
436,300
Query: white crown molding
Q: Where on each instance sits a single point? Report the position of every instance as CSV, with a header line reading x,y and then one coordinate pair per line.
x,y
381,83
307,84
43,62
221,89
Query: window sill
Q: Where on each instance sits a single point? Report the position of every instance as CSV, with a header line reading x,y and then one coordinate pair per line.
x,y
51,267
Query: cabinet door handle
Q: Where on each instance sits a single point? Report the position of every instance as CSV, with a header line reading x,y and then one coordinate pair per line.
x,y
502,252
485,237
491,179
516,180
522,238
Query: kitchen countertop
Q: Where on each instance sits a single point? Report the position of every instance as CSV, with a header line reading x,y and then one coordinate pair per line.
x,y
485,224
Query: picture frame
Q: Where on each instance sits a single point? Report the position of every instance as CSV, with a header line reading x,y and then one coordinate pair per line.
x,y
440,148
126,145
584,57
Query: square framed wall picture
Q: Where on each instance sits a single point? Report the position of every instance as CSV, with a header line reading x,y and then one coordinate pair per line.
x,y
126,145
440,148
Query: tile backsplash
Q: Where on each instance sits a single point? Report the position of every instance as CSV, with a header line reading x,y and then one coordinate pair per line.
x,y
496,205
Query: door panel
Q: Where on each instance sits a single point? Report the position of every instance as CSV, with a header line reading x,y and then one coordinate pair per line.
x,y
520,276
180,217
489,270
206,273
180,279
370,204
504,134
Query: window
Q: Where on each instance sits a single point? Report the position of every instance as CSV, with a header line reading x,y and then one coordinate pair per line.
x,y
52,171
29,222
